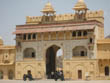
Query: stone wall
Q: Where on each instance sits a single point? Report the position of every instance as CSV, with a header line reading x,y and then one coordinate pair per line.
x,y
22,65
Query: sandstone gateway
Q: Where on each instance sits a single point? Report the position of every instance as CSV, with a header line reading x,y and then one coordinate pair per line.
x,y
80,35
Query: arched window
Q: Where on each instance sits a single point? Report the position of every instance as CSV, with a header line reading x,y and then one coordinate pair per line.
x,y
79,33
29,36
29,53
24,36
106,71
1,74
10,74
74,33
79,51
34,36
85,33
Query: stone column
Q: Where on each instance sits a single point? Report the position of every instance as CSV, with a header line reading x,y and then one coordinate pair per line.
x,y
64,35
42,36
56,35
49,35
31,37
36,37
70,35
5,73
81,33
26,36
76,34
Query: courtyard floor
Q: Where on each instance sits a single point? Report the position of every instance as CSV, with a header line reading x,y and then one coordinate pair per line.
x,y
52,81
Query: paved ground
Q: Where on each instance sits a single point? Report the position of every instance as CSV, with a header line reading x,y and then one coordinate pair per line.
x,y
52,81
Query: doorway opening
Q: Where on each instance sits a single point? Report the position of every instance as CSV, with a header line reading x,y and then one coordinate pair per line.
x,y
107,71
52,65
10,75
79,74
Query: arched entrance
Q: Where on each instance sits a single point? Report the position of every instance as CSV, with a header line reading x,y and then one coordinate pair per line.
x,y
51,60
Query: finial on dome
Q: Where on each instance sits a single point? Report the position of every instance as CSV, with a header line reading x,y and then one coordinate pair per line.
x,y
48,8
81,1
80,5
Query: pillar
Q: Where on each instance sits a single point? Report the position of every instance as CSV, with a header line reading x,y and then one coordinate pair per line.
x,y
5,73
49,35
64,36
42,36
56,35
70,35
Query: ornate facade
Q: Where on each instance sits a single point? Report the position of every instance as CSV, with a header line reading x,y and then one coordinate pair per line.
x,y
7,61
86,53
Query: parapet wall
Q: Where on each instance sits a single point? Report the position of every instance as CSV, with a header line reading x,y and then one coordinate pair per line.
x,y
95,15
91,15
33,19
99,13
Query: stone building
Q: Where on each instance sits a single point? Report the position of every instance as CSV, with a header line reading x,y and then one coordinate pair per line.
x,y
86,53
7,61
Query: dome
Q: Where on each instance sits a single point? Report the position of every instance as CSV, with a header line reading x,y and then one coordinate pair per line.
x,y
80,5
1,41
48,8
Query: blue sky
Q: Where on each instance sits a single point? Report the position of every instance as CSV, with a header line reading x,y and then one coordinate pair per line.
x,y
14,12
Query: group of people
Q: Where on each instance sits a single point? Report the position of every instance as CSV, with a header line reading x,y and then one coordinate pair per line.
x,y
57,75
54,75
28,76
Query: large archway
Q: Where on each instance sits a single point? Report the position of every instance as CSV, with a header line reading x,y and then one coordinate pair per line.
x,y
51,60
